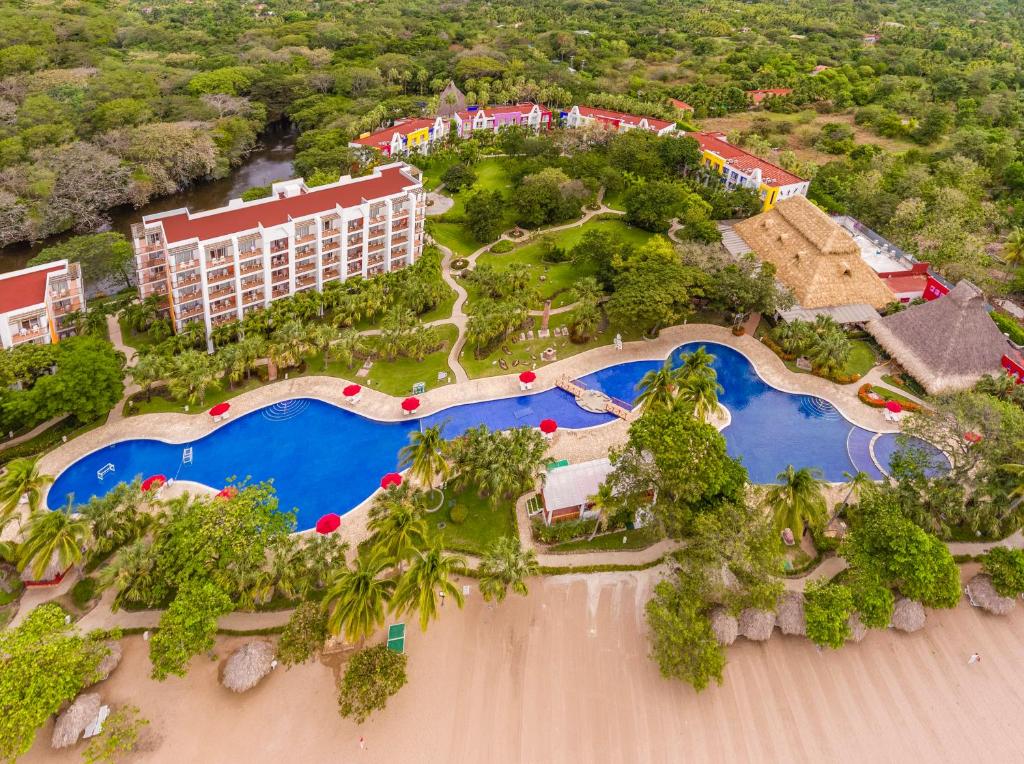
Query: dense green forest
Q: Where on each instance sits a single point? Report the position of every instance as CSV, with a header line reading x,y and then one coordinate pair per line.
x,y
917,133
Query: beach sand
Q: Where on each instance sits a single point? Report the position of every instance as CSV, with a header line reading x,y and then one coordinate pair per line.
x,y
563,676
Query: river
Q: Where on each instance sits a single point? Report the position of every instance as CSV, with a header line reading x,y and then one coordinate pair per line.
x,y
271,160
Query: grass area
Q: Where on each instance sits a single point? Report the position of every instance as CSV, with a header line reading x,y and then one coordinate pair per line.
x,y
443,309
615,200
888,395
454,236
397,377
528,352
138,340
49,438
904,383
554,281
483,525
638,538
491,176
862,359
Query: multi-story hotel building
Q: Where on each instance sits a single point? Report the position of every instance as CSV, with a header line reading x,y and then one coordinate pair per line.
x,y
619,121
216,266
741,168
35,303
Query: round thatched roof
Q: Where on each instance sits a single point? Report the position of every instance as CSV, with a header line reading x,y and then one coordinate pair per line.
x,y
984,595
756,624
789,615
908,615
857,630
724,625
110,660
72,723
248,665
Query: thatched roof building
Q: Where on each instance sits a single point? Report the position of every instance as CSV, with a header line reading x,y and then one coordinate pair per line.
x,y
813,255
789,615
724,626
984,595
757,624
947,344
451,100
908,615
248,665
72,723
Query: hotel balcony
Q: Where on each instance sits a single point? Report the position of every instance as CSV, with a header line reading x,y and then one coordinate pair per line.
x,y
252,297
305,267
65,306
372,261
222,291
223,305
329,259
305,238
216,278
354,268
278,262
281,245
278,292
375,249
184,279
355,241
396,240
400,225
281,277
355,226
150,262
332,272
190,312
397,265
218,262
331,246
26,331
254,267
249,254
252,283
375,271
227,318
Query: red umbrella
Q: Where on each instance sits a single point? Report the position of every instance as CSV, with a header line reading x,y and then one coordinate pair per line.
x,y
391,479
328,524
527,377
411,404
220,408
548,426
351,390
972,437
894,406
153,481
228,492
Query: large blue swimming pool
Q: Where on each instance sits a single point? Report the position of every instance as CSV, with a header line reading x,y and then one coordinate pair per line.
x,y
326,459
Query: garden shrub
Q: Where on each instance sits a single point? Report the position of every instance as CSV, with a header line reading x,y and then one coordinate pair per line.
x,y
458,514
500,248
564,531
1008,325
83,592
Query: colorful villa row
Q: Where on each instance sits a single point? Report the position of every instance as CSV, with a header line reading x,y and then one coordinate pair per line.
x,y
36,303
216,266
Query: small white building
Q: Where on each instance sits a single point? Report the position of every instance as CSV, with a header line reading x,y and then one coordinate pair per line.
x,y
619,121
568,491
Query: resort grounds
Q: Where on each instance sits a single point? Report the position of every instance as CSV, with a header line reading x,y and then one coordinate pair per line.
x,y
563,675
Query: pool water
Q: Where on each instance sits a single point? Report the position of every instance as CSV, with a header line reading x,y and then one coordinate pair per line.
x,y
326,459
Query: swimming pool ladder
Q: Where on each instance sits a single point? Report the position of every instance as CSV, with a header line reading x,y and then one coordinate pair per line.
x,y
186,455
103,471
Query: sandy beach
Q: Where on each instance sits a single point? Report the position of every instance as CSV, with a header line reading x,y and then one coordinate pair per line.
x,y
563,676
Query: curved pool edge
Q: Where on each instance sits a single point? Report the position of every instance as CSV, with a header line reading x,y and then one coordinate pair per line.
x,y
180,428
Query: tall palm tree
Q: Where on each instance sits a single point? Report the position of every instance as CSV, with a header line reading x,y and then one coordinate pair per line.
x,y
322,556
699,395
59,536
425,456
697,365
1013,249
830,351
149,369
117,518
399,532
21,479
322,336
356,599
658,387
603,502
855,484
506,565
131,574
428,579
288,344
797,499
194,374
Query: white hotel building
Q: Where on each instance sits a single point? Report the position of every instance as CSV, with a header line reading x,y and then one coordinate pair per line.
x,y
220,264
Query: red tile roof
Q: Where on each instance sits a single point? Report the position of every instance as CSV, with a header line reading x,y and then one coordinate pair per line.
x,y
227,221
759,95
515,108
403,127
681,105
912,282
621,116
743,161
22,290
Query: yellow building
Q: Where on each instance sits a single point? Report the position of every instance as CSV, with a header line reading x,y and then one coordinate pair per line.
x,y
740,168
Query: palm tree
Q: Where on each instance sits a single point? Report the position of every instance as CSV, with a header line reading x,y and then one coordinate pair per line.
x,y
149,369
321,336
1013,249
699,394
506,564
59,536
697,365
658,387
428,579
356,598
117,518
194,373
22,479
797,499
399,532
855,484
602,502
322,556
287,344
131,574
426,456
830,351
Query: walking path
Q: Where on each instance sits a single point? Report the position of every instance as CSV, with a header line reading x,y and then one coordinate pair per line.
x,y
33,432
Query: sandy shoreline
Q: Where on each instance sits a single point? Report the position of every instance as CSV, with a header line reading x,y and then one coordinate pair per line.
x,y
563,676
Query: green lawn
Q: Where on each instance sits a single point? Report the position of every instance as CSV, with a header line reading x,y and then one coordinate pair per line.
x,y
889,395
397,377
491,176
862,359
616,200
443,308
554,281
454,236
484,524
528,352
905,383
639,538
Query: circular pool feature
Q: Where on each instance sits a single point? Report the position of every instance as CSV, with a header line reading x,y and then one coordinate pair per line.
x,y
886,445
323,458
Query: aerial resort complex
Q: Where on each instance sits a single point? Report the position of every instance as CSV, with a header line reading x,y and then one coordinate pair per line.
x,y
388,383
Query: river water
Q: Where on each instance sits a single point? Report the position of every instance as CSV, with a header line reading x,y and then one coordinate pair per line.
x,y
271,160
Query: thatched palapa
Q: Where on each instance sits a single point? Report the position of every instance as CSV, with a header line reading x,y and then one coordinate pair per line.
x,y
757,624
789,615
248,665
813,255
724,626
72,723
947,344
984,595
908,615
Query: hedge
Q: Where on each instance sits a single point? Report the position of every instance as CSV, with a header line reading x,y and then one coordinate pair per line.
x,y
1009,326
866,388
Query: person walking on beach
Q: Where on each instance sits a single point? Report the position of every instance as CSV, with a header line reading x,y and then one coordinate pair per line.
x,y
975,658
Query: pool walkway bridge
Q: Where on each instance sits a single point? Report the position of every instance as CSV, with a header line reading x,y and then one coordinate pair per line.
x,y
577,389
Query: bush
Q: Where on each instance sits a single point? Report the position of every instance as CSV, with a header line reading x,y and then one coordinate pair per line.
x,y
500,248
866,388
1008,325
1006,567
373,675
563,531
83,592
458,514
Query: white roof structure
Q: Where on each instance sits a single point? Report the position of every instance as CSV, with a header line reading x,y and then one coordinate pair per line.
x,y
843,314
573,485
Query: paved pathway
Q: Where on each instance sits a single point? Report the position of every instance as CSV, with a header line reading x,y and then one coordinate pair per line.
x,y
33,432
130,388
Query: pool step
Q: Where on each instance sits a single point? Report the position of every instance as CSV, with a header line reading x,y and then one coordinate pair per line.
x,y
858,448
